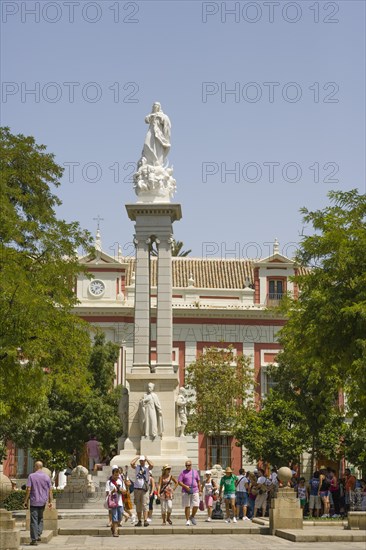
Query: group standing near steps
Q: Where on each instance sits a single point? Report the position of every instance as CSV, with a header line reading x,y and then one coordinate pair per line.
x,y
244,496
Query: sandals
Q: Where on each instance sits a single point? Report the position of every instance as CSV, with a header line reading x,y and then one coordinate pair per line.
x,y
170,521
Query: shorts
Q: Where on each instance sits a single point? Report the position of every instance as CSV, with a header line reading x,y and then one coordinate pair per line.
x,y
229,496
116,514
261,500
190,501
302,502
324,494
166,506
242,498
141,500
314,502
208,501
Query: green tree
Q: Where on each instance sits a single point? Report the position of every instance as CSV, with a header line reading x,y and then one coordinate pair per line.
x,y
176,249
325,335
42,343
217,381
101,364
277,433
66,423
355,444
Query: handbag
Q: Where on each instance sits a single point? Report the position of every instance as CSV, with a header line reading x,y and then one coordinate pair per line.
x,y
113,501
157,500
201,506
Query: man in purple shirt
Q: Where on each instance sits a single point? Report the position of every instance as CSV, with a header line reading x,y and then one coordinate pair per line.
x,y
189,480
38,493
93,450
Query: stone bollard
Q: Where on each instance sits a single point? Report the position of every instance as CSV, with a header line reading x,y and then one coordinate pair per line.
x,y
9,535
356,520
285,511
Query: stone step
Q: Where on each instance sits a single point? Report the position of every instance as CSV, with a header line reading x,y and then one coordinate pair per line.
x,y
25,537
202,528
310,535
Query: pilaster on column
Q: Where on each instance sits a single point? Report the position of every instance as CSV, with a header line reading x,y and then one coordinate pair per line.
x,y
164,318
141,348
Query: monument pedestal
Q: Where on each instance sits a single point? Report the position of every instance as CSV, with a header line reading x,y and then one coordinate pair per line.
x,y
160,450
285,511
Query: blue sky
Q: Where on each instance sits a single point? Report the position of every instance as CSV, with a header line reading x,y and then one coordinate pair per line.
x,y
295,119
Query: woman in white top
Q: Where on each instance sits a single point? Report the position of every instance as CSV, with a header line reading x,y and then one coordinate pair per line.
x,y
115,488
166,487
209,490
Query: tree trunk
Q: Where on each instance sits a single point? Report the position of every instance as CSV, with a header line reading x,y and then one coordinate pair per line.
x,y
312,456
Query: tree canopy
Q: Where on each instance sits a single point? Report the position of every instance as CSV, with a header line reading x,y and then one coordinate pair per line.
x,y
66,423
43,345
218,381
276,433
176,249
324,339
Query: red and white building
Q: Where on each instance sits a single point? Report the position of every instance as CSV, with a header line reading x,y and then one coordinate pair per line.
x,y
216,302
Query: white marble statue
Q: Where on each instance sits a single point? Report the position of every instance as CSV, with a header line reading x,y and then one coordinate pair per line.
x,y
157,141
153,181
151,414
182,411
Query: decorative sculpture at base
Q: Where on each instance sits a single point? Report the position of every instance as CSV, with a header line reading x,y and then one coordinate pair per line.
x,y
181,411
153,181
151,415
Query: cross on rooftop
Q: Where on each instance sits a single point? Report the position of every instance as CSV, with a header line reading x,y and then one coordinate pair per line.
x,y
98,219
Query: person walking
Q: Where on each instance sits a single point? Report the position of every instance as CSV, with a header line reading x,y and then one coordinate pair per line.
x,y
302,493
227,489
114,489
189,480
209,492
262,487
166,487
38,494
324,485
241,495
141,491
349,488
127,502
93,451
334,494
152,490
314,498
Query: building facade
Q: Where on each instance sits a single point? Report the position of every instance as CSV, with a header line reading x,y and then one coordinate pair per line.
x,y
215,302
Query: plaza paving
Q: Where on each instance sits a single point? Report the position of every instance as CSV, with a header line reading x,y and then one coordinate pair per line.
x,y
92,532
191,542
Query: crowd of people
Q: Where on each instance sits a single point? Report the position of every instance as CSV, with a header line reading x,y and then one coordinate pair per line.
x,y
244,496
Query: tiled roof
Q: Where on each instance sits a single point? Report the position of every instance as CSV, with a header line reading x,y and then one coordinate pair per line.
x,y
213,273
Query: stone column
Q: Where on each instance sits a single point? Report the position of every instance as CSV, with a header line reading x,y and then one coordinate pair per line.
x,y
141,347
164,317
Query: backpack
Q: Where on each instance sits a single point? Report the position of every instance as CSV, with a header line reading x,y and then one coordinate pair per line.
x,y
326,484
217,512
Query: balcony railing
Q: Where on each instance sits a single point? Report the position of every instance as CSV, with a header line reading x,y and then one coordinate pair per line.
x,y
273,299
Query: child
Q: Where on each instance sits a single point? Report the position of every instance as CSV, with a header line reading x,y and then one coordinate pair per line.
x,y
301,493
